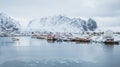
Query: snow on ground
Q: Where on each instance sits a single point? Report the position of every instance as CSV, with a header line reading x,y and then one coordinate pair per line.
x,y
101,38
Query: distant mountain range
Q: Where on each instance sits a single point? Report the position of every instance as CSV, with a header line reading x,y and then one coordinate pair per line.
x,y
61,23
8,24
57,23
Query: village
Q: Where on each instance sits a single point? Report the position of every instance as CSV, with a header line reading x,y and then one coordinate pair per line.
x,y
107,37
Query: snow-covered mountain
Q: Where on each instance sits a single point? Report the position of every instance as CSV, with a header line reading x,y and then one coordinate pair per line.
x,y
8,24
61,23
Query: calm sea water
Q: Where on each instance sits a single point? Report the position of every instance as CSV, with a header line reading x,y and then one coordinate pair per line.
x,y
30,52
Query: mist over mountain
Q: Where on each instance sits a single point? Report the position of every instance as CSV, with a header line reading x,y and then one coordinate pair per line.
x,y
8,24
62,23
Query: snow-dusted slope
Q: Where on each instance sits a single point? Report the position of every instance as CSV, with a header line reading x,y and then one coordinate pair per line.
x,y
8,24
62,24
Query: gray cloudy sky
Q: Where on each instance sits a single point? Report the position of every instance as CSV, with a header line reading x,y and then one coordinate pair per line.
x,y
101,10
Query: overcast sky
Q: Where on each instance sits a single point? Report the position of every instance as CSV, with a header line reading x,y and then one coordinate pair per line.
x,y
101,10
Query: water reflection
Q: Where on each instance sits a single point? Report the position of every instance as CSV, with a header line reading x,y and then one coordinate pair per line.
x,y
29,52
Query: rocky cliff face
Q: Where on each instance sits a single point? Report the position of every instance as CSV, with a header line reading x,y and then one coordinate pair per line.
x,y
91,24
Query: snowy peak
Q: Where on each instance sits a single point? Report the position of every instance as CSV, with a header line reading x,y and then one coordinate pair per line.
x,y
8,24
62,23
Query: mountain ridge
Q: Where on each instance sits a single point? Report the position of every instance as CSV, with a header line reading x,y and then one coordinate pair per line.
x,y
8,24
62,23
